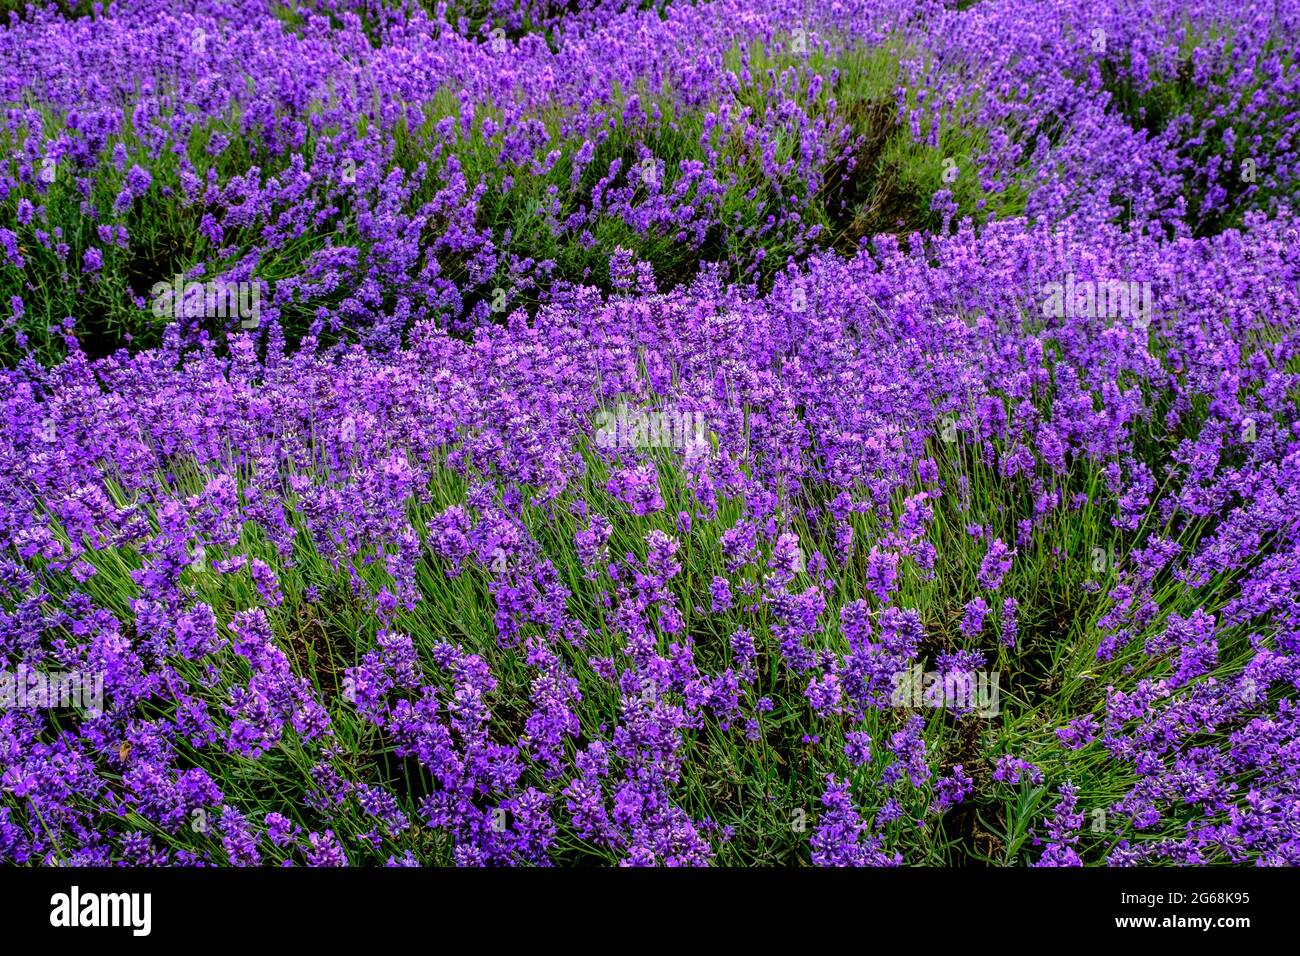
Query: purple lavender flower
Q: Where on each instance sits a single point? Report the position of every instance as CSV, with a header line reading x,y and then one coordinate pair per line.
x,y
996,563
972,622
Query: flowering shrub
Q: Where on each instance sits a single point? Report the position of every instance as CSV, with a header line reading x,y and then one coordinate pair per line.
x,y
980,545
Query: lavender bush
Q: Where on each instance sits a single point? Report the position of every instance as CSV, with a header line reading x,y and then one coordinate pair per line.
x,y
650,434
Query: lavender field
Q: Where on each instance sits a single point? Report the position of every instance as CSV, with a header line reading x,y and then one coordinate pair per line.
x,y
649,433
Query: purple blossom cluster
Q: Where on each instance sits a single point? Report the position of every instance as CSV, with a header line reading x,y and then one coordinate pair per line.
x,y
394,240
362,192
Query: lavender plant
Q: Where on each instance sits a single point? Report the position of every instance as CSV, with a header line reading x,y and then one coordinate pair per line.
x,y
691,434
